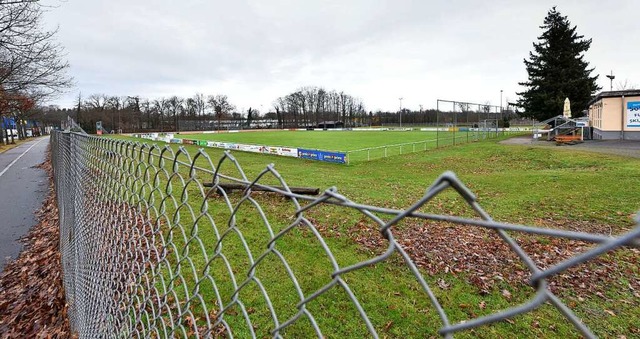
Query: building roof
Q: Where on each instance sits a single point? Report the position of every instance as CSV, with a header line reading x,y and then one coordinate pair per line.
x,y
615,94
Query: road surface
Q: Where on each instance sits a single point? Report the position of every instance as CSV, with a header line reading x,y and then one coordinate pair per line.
x,y
627,148
22,190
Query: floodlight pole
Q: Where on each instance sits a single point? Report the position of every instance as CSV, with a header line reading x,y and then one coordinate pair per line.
x,y
400,111
437,122
611,77
500,110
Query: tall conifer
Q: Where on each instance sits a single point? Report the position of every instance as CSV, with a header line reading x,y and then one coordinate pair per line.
x,y
557,70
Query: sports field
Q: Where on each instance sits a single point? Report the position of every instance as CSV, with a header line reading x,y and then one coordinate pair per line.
x,y
358,145
548,187
338,140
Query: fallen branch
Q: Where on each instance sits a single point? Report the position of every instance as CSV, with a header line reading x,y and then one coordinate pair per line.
x,y
297,190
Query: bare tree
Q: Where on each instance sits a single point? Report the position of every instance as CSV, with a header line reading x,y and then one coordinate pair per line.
x,y
221,106
30,60
132,104
309,105
145,109
114,104
200,105
159,106
175,108
625,85
97,101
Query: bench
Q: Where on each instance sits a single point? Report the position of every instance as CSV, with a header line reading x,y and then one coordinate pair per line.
x,y
567,139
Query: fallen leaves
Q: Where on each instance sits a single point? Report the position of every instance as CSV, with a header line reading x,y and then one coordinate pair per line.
x,y
487,261
32,300
387,326
443,284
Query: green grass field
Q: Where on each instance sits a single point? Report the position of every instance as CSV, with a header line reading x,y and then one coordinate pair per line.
x,y
359,145
517,184
336,140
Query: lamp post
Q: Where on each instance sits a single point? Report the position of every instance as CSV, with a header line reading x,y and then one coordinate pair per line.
x,y
400,111
500,107
611,77
136,101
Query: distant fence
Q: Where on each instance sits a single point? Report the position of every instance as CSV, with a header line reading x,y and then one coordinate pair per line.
x,y
154,246
444,137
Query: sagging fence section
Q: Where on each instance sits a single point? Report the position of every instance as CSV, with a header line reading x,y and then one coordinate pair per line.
x,y
153,246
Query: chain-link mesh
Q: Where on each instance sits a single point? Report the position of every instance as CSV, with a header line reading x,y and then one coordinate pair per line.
x,y
154,246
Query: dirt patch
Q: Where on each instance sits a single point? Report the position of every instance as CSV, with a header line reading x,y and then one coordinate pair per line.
x,y
32,301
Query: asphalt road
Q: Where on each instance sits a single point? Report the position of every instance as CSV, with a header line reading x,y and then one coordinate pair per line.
x,y
627,148
22,190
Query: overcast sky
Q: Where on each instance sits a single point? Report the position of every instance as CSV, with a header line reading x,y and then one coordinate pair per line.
x,y
255,51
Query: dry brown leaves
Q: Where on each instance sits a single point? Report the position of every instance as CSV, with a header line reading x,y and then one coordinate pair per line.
x,y
485,259
32,301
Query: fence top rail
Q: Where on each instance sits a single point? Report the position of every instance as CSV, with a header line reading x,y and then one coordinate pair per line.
x,y
394,145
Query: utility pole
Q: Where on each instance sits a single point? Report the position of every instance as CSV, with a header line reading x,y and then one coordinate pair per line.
x,y
79,108
400,111
119,128
501,107
136,107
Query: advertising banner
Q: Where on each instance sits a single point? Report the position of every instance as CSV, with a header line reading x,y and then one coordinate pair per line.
x,y
334,157
284,151
633,114
372,129
8,123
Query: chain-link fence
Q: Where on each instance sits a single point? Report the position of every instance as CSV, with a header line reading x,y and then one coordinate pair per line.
x,y
155,244
437,137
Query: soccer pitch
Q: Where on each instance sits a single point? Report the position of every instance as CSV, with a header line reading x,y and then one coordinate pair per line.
x,y
336,140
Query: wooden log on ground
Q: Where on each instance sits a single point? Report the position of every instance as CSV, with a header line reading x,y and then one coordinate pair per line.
x,y
228,187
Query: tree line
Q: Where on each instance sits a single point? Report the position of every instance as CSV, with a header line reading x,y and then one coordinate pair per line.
x,y
305,107
313,106
308,107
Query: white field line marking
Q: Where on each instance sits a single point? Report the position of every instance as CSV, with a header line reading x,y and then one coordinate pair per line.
x,y
18,158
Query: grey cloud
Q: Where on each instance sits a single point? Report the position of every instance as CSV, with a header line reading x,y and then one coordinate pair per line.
x,y
378,50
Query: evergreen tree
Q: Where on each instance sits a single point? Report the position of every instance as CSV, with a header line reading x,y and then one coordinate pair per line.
x,y
557,70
